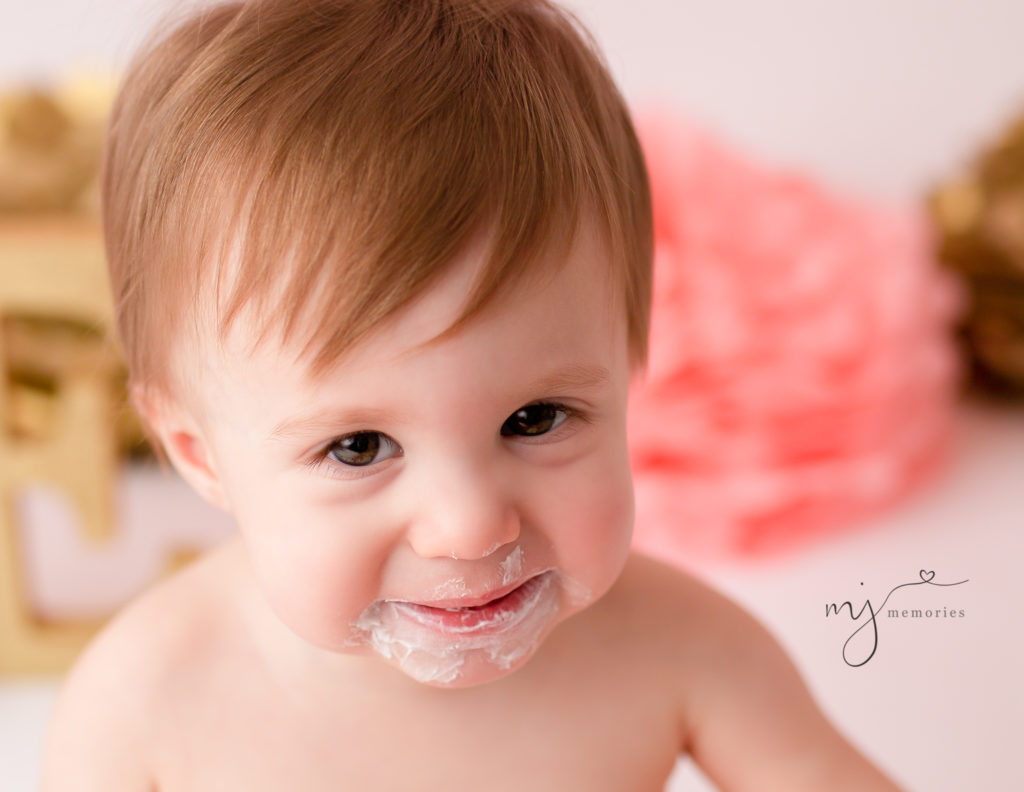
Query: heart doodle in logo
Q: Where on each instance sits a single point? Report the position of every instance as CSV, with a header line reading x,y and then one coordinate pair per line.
x,y
927,576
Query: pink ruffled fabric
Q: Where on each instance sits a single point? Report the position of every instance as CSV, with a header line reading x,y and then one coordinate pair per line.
x,y
801,369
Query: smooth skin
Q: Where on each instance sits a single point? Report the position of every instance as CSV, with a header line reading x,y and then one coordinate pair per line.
x,y
416,462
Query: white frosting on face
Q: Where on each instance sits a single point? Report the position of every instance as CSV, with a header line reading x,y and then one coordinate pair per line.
x,y
454,556
455,587
494,547
434,656
579,595
512,566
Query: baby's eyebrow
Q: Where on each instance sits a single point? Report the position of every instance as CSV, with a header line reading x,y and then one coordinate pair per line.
x,y
571,377
328,419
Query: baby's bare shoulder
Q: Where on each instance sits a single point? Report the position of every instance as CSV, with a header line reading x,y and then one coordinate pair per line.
x,y
106,721
709,643
749,720
675,606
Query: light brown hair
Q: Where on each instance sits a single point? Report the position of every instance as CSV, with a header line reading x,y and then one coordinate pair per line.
x,y
341,153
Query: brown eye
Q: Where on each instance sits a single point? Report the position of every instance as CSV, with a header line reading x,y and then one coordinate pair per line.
x,y
533,419
362,448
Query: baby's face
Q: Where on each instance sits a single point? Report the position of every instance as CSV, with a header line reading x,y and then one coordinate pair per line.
x,y
443,506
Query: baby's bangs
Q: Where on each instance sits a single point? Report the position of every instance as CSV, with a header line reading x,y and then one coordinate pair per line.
x,y
370,186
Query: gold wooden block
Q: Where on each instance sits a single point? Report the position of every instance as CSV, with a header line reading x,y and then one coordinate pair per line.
x,y
58,403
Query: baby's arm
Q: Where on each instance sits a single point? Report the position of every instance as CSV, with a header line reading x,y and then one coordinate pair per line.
x,y
751,721
97,740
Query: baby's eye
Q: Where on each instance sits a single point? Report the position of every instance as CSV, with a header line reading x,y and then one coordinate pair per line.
x,y
363,448
534,419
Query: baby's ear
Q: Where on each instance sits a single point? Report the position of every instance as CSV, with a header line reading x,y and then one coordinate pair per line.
x,y
181,438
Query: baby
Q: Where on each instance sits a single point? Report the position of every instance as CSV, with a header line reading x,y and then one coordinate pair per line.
x,y
382,275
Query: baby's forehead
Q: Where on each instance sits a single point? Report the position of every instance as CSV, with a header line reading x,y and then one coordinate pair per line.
x,y
457,300
540,335
319,315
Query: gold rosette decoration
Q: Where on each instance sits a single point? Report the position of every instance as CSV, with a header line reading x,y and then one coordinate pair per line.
x,y
980,219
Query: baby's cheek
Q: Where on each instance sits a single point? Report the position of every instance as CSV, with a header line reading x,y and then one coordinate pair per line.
x,y
307,575
594,518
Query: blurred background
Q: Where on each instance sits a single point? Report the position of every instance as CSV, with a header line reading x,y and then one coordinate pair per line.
x,y
878,136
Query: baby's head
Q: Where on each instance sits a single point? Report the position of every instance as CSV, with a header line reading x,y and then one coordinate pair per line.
x,y
382,271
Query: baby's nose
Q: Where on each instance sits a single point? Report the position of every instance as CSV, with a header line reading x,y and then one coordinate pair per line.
x,y
467,518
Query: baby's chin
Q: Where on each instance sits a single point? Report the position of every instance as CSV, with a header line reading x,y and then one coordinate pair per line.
x,y
439,650
472,668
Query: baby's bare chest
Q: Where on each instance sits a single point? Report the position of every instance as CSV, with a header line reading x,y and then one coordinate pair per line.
x,y
591,732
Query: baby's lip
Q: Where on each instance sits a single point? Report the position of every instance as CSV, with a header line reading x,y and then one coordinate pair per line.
x,y
454,603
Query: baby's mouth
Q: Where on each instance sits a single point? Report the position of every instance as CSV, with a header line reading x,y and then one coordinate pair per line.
x,y
493,615
433,642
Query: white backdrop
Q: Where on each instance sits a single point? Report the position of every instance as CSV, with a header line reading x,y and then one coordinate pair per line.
x,y
877,97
